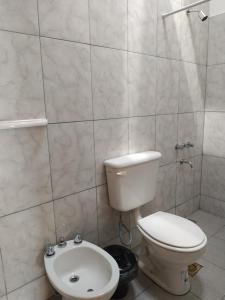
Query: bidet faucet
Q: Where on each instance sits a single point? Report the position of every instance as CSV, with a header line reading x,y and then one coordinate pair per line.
x,y
78,239
184,161
50,251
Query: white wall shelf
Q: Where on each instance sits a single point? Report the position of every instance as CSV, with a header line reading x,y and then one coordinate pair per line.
x,y
23,123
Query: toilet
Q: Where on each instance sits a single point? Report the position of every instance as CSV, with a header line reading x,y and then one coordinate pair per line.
x,y
171,243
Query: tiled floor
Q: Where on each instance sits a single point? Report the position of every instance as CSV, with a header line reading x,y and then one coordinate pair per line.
x,y
209,283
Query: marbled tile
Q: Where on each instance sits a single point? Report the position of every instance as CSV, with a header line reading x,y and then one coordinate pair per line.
x,y
108,23
215,252
197,164
166,191
190,129
67,79
141,134
23,259
168,35
194,36
138,286
35,290
3,298
65,20
209,283
185,183
192,87
109,81
108,218
72,157
142,26
25,173
216,48
166,137
142,73
221,234
185,209
76,214
212,205
20,16
215,99
21,90
156,293
213,174
167,95
111,140
196,203
2,282
214,136
202,219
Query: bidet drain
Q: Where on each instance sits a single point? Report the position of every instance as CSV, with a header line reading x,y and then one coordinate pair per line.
x,y
74,278
90,290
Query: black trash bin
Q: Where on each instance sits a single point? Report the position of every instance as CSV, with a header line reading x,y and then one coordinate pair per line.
x,y
128,266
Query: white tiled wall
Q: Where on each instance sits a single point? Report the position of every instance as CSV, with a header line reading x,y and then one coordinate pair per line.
x,y
213,172
112,78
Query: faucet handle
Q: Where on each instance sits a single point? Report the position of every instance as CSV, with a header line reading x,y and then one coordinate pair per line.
x,y
50,250
189,145
78,239
62,243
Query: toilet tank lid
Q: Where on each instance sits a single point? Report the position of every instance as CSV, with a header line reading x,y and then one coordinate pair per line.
x,y
132,159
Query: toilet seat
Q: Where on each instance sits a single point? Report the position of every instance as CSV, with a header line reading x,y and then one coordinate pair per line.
x,y
172,232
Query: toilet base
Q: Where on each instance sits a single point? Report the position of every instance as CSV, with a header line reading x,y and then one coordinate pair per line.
x,y
173,280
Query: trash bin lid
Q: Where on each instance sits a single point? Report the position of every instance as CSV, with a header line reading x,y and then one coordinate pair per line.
x,y
124,257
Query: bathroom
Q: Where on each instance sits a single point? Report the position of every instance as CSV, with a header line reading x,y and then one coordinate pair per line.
x,y
87,81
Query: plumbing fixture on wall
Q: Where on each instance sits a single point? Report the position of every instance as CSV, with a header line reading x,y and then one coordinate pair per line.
x,y
184,161
187,7
184,145
202,16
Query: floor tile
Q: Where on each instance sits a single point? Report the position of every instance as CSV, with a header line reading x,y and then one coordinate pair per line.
x,y
209,223
215,252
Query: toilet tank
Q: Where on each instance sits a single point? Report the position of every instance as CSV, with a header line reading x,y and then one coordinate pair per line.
x,y
132,179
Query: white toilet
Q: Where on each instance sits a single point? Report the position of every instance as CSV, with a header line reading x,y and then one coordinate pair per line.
x,y
171,242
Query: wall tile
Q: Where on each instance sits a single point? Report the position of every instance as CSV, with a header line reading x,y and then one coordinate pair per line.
x,y
108,23
184,210
111,140
213,174
36,290
20,16
166,191
185,183
23,261
109,77
168,35
72,157
142,84
62,20
21,91
213,206
142,26
214,139
76,214
2,282
197,164
216,51
108,218
166,139
167,86
3,298
190,129
25,169
67,78
141,134
192,87
215,96
194,36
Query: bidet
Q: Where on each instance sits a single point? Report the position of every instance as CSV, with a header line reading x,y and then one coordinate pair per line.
x,y
81,271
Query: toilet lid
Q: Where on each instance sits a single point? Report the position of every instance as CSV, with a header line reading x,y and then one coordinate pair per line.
x,y
172,230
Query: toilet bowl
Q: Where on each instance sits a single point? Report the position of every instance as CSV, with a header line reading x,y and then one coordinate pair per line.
x,y
171,243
